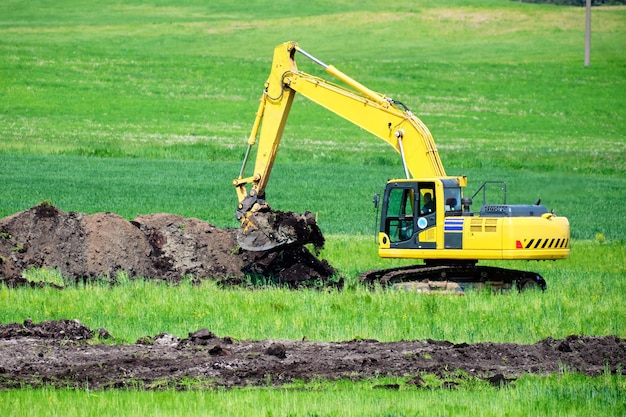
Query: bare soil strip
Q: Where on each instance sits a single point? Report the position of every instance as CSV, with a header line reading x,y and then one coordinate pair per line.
x,y
60,354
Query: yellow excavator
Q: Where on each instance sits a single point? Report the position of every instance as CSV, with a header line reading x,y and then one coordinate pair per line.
x,y
424,216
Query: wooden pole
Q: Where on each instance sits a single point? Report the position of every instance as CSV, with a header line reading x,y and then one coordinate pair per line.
x,y
588,33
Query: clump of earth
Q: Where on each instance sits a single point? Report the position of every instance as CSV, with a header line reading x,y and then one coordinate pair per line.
x,y
159,246
66,353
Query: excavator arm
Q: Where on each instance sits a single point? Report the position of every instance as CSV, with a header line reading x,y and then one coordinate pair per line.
x,y
383,117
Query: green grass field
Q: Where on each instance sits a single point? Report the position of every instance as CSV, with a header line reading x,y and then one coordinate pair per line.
x,y
141,108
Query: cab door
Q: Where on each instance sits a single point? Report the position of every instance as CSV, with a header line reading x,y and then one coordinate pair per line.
x,y
426,216
408,216
398,219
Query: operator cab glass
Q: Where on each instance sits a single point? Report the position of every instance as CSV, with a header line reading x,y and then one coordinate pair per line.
x,y
409,214
399,214
452,201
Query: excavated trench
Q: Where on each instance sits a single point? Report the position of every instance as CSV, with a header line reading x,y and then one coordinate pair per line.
x,y
63,354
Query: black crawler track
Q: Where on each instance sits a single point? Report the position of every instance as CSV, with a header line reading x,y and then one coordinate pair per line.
x,y
453,278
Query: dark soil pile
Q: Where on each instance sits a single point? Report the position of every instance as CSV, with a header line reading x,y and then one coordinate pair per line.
x,y
161,246
58,354
265,229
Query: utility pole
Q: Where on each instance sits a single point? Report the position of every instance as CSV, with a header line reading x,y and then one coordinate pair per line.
x,y
588,33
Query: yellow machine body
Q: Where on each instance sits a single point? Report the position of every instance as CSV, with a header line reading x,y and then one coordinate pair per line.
x,y
450,231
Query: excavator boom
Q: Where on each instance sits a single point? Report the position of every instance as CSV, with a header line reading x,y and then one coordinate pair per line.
x,y
367,109
383,117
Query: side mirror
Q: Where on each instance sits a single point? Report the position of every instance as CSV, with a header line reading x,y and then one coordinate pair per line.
x,y
376,200
466,202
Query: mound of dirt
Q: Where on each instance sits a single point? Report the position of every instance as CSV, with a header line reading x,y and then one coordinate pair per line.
x,y
57,354
54,329
162,246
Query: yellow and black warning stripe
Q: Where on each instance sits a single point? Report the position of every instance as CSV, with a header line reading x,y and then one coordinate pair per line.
x,y
549,243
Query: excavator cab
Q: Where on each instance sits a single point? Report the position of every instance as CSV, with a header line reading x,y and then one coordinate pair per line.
x,y
409,214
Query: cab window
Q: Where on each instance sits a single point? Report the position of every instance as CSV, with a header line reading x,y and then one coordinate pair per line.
x,y
399,214
452,199
427,200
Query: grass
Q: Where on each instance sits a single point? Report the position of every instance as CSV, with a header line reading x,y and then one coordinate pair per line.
x,y
563,394
89,87
140,108
572,305
132,186
506,118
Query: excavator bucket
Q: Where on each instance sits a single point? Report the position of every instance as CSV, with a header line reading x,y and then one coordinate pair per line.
x,y
267,230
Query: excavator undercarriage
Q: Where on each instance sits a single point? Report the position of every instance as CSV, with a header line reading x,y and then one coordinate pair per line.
x,y
455,278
